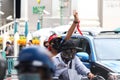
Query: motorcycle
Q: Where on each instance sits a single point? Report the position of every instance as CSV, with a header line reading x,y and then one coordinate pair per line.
x,y
66,76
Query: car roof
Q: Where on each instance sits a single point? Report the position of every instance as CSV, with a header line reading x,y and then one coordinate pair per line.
x,y
91,35
77,35
108,34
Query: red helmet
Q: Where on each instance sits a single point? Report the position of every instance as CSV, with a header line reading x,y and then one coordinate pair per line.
x,y
52,37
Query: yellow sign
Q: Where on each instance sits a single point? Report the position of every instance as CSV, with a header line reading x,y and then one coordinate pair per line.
x,y
38,1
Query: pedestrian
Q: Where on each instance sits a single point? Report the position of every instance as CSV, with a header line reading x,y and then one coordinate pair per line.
x,y
54,44
30,43
9,49
34,64
68,65
55,41
46,44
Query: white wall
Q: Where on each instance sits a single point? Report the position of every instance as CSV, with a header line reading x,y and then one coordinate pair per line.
x,y
111,13
88,11
55,8
24,9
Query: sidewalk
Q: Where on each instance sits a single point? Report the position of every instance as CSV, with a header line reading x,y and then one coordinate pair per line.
x,y
13,77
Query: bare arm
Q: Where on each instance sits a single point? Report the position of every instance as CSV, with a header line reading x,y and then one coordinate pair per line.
x,y
6,52
72,28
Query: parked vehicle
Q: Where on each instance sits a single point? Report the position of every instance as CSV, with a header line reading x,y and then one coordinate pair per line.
x,y
100,53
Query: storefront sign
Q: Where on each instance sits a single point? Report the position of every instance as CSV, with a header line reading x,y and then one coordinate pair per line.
x,y
38,9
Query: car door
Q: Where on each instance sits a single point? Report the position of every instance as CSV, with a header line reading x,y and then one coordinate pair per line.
x,y
85,46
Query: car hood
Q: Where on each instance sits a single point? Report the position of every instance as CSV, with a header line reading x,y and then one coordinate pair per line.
x,y
113,65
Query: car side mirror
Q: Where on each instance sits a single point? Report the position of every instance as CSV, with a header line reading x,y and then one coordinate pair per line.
x,y
83,56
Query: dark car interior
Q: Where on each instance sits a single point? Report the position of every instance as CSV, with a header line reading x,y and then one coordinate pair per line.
x,y
82,44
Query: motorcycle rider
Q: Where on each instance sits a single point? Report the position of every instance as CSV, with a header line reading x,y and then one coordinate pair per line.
x,y
67,59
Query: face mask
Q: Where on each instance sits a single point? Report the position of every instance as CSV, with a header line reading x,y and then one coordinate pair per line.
x,y
69,53
29,77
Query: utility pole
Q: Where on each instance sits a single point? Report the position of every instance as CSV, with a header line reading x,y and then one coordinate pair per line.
x,y
15,23
61,12
14,10
0,14
63,5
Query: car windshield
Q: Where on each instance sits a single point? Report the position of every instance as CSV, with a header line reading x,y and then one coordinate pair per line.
x,y
107,48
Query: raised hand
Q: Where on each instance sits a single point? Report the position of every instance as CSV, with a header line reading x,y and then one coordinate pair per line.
x,y
76,16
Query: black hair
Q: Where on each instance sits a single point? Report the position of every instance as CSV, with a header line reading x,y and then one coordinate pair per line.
x,y
45,42
30,41
7,42
68,44
56,43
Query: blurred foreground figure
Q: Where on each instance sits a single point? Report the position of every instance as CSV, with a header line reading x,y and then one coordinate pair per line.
x,y
3,67
34,64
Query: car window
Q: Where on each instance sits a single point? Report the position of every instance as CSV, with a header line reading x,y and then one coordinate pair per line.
x,y
107,48
82,43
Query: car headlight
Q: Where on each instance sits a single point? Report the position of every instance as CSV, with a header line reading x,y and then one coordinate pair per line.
x,y
114,76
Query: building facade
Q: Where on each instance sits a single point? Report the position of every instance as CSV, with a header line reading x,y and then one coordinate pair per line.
x,y
6,6
93,13
61,12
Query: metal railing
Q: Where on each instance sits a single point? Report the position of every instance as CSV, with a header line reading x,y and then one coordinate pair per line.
x,y
10,27
11,61
6,28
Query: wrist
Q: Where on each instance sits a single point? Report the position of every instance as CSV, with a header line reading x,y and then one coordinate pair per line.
x,y
76,22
